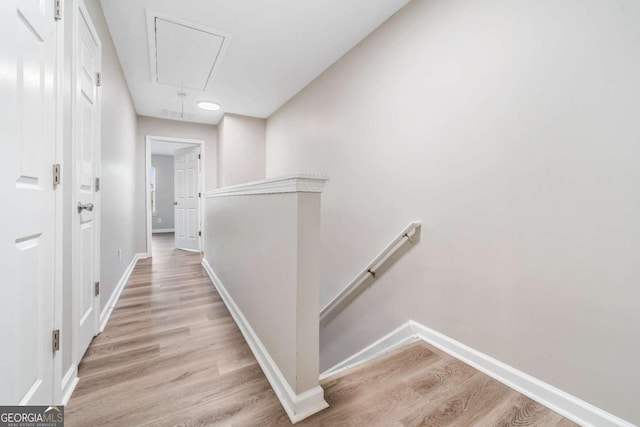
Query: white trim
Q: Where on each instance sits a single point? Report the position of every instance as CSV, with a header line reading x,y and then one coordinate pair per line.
x,y
172,139
563,403
162,230
147,181
69,383
58,214
197,251
398,338
113,299
569,406
305,183
297,406
72,387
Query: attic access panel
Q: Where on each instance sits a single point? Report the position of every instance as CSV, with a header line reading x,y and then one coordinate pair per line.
x,y
184,55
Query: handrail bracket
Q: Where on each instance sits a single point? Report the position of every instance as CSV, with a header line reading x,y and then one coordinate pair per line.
x,y
409,238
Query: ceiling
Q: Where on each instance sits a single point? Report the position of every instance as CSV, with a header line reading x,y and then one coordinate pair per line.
x,y
250,56
165,148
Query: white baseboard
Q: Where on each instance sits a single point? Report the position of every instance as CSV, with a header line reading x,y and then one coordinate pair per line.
x,y
297,406
197,251
69,383
398,338
113,299
569,406
162,230
557,400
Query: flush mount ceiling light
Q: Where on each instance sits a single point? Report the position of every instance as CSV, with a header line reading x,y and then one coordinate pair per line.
x,y
209,106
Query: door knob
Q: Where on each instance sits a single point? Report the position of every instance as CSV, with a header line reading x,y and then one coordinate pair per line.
x,y
175,203
85,206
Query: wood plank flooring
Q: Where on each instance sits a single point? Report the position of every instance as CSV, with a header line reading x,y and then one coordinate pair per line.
x,y
172,355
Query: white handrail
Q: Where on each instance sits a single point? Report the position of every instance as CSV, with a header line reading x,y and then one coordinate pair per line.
x,y
370,270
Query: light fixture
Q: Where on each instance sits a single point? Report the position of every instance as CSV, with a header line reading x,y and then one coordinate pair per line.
x,y
209,105
181,95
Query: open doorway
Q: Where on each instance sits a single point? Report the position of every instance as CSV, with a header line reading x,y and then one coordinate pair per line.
x,y
174,180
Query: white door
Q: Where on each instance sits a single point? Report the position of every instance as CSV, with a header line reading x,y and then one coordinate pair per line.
x,y
187,204
86,159
27,135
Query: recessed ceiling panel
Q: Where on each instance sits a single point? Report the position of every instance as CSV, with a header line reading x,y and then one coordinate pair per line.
x,y
185,56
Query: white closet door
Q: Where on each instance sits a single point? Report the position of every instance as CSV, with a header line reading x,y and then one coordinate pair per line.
x,y
27,138
187,204
86,152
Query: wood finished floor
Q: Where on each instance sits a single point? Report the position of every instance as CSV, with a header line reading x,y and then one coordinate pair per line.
x,y
172,355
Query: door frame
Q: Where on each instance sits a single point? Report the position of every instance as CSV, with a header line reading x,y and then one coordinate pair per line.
x,y
81,12
147,182
58,220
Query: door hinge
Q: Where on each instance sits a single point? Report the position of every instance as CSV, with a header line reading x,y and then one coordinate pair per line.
x,y
199,233
97,289
97,184
55,340
57,10
98,79
56,174
198,156
199,194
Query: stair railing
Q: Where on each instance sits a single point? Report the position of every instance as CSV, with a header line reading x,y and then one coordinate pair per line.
x,y
370,273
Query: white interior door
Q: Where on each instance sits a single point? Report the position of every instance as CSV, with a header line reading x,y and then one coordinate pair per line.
x,y
86,152
187,204
27,135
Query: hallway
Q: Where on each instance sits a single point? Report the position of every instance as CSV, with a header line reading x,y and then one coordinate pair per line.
x,y
170,353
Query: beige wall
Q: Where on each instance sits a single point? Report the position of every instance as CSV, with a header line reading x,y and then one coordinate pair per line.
x,y
174,129
163,218
241,150
267,300
510,129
